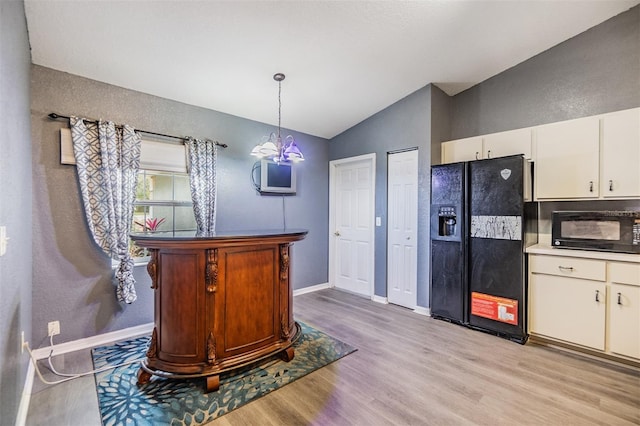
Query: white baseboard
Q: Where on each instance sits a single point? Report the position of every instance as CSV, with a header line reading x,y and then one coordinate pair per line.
x,y
420,310
93,341
114,336
63,348
380,299
90,342
310,289
25,399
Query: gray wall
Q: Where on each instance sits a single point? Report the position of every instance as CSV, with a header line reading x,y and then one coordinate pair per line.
x,y
405,124
595,72
15,204
441,117
72,278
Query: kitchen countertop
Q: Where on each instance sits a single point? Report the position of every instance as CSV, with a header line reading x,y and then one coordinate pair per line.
x,y
587,254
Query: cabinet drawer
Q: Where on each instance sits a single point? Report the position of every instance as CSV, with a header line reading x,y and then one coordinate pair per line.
x,y
589,269
624,273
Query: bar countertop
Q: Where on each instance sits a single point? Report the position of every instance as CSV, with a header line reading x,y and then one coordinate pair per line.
x,y
218,235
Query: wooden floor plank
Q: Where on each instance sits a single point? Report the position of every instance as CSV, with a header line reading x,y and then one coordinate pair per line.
x,y
411,369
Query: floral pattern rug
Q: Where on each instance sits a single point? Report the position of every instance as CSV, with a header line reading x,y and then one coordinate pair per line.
x,y
184,402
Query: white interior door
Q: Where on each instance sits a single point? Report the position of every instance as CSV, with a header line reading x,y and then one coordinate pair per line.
x,y
352,194
402,238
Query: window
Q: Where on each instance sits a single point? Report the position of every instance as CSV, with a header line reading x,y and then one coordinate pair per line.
x,y
163,203
163,197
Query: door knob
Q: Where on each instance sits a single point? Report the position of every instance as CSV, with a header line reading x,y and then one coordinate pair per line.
x,y
337,233
408,238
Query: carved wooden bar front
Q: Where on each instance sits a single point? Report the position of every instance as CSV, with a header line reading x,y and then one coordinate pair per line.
x,y
221,302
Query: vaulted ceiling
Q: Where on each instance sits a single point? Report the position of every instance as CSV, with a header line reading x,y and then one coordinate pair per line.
x,y
343,60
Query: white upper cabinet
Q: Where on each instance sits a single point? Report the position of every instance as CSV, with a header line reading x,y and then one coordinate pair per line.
x,y
567,159
495,145
507,143
467,149
589,158
621,154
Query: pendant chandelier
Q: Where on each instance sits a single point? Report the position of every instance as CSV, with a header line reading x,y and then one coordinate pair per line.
x,y
272,147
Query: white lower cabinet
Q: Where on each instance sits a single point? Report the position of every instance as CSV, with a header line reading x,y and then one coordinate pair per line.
x,y
590,303
564,307
624,309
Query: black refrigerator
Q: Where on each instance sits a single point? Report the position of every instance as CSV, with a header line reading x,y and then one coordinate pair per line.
x,y
480,227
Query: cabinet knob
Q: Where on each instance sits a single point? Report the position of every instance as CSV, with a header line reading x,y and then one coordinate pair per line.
x,y
619,298
610,185
590,186
477,153
566,268
597,296
489,154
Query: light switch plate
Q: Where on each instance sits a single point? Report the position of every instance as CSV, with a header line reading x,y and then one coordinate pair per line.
x,y
3,240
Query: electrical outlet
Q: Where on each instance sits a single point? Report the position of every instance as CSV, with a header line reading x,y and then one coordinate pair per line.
x,y
54,328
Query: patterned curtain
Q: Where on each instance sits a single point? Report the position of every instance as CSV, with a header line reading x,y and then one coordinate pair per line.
x,y
108,159
203,155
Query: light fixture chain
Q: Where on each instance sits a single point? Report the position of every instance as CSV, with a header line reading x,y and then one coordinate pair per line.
x,y
278,150
279,107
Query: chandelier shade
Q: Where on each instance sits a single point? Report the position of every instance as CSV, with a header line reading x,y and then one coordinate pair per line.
x,y
272,147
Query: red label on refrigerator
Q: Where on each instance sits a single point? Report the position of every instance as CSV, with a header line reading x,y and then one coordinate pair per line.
x,y
495,308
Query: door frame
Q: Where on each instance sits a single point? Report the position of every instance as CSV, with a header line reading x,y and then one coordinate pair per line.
x,y
333,165
417,223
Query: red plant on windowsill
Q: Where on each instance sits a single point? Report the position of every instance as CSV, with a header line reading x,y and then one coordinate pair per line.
x,y
151,224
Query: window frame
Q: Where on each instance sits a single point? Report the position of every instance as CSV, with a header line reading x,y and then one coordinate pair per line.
x,y
172,203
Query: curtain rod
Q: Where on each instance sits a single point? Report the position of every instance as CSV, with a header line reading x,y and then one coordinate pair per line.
x,y
55,116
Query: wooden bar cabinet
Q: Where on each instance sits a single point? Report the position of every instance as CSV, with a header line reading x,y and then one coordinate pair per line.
x,y
221,302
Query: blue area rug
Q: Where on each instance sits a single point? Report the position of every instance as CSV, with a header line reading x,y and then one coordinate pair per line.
x,y
184,402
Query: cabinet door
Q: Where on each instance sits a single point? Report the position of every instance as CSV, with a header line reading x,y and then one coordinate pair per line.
x,y
180,307
621,154
567,159
468,149
624,309
247,303
508,143
624,327
568,309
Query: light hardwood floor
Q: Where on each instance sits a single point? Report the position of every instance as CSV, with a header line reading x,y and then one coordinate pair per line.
x,y
409,370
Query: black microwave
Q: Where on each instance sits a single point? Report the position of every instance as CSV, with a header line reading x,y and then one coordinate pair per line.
x,y
613,231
